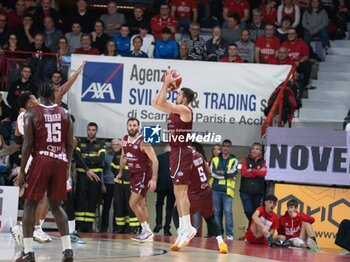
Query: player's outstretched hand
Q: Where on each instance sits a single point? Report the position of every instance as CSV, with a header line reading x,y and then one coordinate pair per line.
x,y
92,175
152,184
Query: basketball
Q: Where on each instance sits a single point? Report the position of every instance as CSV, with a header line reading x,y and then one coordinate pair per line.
x,y
177,77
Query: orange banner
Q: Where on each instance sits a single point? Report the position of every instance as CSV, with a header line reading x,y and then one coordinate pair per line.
x,y
329,206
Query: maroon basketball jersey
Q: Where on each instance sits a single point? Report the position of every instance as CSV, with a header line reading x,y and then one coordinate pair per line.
x,y
179,131
137,161
199,181
50,132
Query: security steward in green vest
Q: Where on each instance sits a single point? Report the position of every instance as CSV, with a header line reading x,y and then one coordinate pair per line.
x,y
89,172
125,220
223,183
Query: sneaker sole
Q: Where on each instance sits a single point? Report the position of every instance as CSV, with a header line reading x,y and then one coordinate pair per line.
x,y
174,248
188,240
17,240
39,240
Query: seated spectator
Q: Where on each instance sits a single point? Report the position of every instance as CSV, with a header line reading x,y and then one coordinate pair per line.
x,y
282,31
315,22
185,12
51,34
86,48
266,46
147,40
12,45
231,30
81,15
232,55
26,33
111,49
216,47
113,20
12,51
122,40
269,12
4,33
256,27
99,38
137,20
63,47
137,52
291,9
38,45
23,84
183,52
343,237
299,53
296,227
194,42
74,37
241,7
163,20
15,17
42,11
263,224
342,16
5,120
166,48
253,174
246,48
4,163
281,59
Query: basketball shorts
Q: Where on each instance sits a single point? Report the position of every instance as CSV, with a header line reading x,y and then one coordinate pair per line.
x,y
180,165
203,203
139,183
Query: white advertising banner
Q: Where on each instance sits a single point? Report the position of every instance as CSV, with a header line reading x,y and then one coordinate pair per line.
x,y
8,207
308,156
229,98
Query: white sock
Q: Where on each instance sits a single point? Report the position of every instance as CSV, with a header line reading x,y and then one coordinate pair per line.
x,y
187,222
66,244
41,221
37,227
28,244
219,239
181,223
71,225
145,226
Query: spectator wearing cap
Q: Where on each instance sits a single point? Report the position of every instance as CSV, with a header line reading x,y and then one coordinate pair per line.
x,y
231,30
15,17
99,38
137,52
195,43
42,11
74,37
185,11
113,20
138,19
166,48
86,48
147,41
51,34
256,27
232,56
216,47
81,15
246,48
122,40
163,20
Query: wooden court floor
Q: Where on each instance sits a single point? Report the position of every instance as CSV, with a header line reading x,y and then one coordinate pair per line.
x,y
110,247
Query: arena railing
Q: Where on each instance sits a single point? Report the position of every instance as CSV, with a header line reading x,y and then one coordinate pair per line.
x,y
277,105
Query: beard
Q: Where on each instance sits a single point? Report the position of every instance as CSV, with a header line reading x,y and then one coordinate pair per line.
x,y
133,133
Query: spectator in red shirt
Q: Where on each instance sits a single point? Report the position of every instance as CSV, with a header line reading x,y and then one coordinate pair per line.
x,y
299,53
236,6
15,17
282,58
296,227
263,224
185,11
266,45
163,20
86,48
232,55
269,12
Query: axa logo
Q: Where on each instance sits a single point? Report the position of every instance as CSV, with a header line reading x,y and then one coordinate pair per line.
x,y
102,82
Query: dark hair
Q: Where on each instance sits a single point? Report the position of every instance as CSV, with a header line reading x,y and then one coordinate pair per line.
x,y
125,25
319,9
271,198
293,202
287,18
166,30
139,6
100,21
85,34
188,93
226,141
144,26
62,37
256,144
23,99
199,148
39,34
93,124
232,44
46,90
138,37
106,50
57,72
133,119
245,30
26,66
236,16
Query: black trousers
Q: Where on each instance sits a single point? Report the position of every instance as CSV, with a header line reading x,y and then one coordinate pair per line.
x,y
170,201
107,203
304,69
343,235
86,197
68,206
